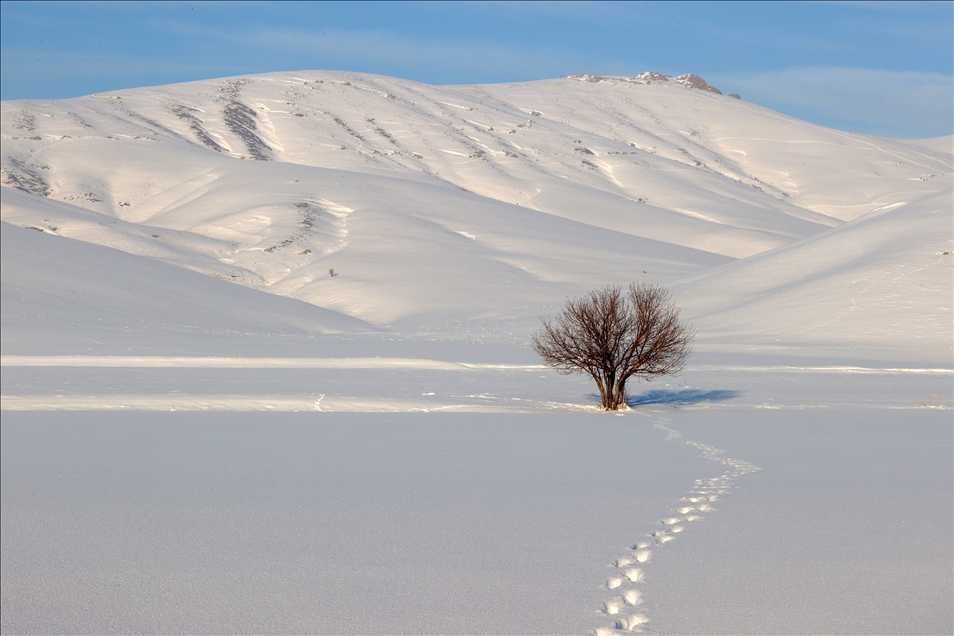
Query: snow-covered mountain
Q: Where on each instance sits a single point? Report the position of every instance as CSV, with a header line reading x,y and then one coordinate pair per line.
x,y
204,430
443,206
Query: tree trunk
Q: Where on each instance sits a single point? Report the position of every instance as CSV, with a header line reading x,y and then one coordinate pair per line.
x,y
603,387
613,396
620,394
610,403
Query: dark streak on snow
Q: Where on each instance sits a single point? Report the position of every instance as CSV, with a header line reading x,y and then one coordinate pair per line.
x,y
347,128
310,213
26,121
240,119
26,177
195,124
156,126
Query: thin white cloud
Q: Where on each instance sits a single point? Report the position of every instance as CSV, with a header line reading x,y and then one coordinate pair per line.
x,y
74,74
386,50
894,103
59,64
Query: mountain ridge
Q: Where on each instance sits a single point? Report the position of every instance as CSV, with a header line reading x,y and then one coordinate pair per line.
x,y
453,201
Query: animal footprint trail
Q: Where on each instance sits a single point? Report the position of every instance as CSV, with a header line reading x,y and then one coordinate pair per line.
x,y
624,607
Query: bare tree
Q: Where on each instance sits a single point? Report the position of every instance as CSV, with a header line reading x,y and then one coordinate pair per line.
x,y
615,336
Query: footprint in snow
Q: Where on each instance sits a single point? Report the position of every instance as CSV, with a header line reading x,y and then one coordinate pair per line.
x,y
632,623
633,597
705,491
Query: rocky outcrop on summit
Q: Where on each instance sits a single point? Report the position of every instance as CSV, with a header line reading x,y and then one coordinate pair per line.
x,y
689,80
694,81
651,76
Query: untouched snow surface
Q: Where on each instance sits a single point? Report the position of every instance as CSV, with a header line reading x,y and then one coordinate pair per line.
x,y
204,431
468,523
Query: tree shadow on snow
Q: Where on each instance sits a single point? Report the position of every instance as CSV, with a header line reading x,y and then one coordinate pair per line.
x,y
680,397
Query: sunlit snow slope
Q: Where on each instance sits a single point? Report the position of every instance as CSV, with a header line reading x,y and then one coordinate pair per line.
x,y
883,281
440,204
79,285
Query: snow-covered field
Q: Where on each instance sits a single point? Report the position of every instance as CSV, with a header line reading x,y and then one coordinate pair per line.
x,y
205,431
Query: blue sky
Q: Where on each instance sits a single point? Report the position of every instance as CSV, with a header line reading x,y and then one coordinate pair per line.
x,y
876,67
